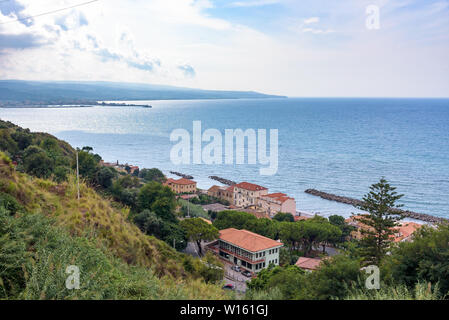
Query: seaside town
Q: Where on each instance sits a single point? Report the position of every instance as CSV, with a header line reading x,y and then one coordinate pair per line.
x,y
237,237
246,253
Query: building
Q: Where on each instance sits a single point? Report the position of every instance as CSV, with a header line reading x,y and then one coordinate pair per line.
x,y
404,232
225,193
246,249
255,198
308,264
277,202
181,185
246,194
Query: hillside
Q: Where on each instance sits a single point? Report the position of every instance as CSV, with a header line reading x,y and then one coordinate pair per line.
x,y
15,92
126,257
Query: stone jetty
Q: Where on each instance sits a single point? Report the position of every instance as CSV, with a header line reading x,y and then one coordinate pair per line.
x,y
223,180
356,203
179,174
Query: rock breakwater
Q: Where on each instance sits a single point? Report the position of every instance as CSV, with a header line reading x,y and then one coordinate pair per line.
x,y
356,203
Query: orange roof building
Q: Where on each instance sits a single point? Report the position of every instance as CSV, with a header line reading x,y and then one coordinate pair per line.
x,y
309,264
405,230
273,203
247,249
246,194
181,185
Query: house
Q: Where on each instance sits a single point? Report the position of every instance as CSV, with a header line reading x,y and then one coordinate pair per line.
x,y
181,185
223,192
246,194
246,249
402,232
405,230
308,264
277,202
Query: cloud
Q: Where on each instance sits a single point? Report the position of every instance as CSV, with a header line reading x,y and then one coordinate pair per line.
x,y
317,31
14,9
19,41
72,20
187,70
312,20
255,3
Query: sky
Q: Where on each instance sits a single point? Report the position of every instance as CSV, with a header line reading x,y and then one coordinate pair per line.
x,y
306,48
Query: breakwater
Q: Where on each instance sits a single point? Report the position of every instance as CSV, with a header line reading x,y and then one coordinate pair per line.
x,y
223,180
356,203
179,174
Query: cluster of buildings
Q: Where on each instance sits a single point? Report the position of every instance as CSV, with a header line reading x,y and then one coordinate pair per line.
x,y
252,196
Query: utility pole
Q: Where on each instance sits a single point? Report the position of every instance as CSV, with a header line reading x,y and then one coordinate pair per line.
x,y
77,175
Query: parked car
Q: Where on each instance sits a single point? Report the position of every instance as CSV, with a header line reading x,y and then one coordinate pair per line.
x,y
228,286
246,273
236,268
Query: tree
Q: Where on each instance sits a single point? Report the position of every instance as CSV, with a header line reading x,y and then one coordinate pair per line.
x,y
104,176
282,216
289,280
153,174
425,259
345,228
198,230
159,199
169,232
316,231
379,221
36,162
88,164
335,278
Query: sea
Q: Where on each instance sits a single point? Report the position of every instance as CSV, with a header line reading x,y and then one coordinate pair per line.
x,y
336,145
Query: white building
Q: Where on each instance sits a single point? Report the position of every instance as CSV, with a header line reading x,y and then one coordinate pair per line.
x,y
246,249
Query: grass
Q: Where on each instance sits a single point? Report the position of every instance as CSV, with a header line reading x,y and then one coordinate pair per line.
x,y
96,221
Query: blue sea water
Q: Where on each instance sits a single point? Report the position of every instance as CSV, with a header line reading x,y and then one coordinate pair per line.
x,y
340,146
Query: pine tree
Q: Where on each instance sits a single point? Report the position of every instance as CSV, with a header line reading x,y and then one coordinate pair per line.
x,y
380,221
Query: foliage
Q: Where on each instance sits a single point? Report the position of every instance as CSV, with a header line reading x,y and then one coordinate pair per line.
x,y
379,221
425,259
153,174
192,210
281,216
421,291
169,232
159,199
198,230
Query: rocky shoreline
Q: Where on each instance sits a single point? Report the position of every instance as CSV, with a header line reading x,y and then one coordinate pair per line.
x,y
355,203
179,174
223,180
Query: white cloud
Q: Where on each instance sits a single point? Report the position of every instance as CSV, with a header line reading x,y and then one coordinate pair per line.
x,y
255,3
312,20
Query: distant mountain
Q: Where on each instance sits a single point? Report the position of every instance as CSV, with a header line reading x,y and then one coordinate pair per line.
x,y
15,92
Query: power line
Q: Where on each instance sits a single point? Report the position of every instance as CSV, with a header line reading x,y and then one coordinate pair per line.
x,y
49,12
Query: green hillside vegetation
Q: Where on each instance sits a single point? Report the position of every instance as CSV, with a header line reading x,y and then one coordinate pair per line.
x,y
45,228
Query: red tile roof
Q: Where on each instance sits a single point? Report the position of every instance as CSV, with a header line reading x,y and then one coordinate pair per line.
x,y
180,181
405,230
281,197
248,240
250,186
308,263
